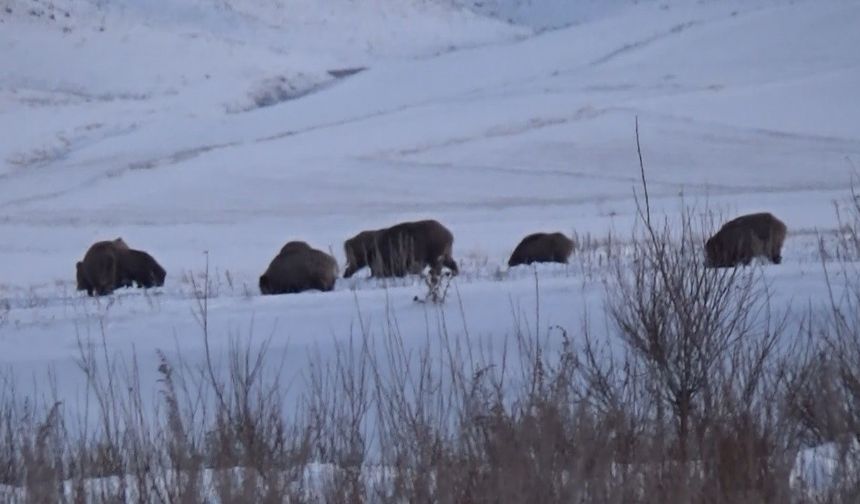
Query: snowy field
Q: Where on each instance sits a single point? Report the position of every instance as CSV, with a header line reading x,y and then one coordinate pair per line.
x,y
216,132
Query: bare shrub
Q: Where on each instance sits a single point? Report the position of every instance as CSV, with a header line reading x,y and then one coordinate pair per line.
x,y
700,375
595,255
826,399
840,329
437,287
698,391
681,318
5,309
394,417
704,351
848,221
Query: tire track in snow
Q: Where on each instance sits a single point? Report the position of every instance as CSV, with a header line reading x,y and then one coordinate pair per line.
x,y
189,153
842,144
533,124
196,151
639,44
192,152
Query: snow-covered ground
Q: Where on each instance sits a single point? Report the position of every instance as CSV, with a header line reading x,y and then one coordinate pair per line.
x,y
217,131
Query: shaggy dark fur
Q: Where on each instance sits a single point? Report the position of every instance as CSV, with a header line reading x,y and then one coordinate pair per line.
x,y
297,268
139,267
360,251
542,247
97,272
109,265
402,249
742,239
295,246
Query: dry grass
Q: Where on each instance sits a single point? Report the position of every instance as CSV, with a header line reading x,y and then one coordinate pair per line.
x,y
700,394
848,220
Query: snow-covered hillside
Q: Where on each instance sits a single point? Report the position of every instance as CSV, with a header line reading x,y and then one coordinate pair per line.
x,y
230,128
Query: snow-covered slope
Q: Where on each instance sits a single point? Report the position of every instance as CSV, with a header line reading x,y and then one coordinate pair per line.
x,y
187,127
544,14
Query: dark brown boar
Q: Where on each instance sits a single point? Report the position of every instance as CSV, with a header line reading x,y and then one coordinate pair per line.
x,y
298,268
744,238
402,249
97,273
542,247
139,267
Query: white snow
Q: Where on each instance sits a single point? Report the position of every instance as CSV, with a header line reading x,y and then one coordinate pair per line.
x,y
188,127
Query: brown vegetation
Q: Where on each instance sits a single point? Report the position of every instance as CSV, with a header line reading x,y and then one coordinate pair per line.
x,y
700,393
